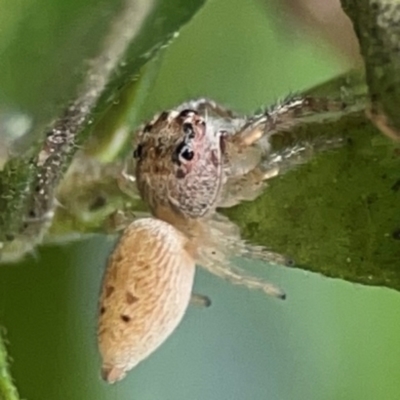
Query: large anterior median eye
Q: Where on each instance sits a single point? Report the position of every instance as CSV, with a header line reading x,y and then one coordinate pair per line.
x,y
182,153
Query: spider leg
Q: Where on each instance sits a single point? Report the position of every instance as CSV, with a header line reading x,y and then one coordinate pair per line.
x,y
221,243
207,106
246,187
127,181
220,266
224,232
288,114
269,142
281,146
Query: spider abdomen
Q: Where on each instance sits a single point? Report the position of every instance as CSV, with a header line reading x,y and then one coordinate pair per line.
x,y
145,293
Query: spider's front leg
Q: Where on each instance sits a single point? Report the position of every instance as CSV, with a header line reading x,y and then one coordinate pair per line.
x,y
287,115
267,144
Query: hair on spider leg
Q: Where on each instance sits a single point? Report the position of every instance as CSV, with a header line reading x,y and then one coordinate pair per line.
x,y
219,264
236,276
221,243
262,254
293,111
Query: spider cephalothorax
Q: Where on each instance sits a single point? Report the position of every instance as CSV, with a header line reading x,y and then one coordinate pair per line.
x,y
179,163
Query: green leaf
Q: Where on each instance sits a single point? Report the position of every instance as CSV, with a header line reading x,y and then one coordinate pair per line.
x,y
7,389
336,215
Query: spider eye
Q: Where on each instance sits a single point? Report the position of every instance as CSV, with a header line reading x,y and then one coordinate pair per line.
x,y
138,152
187,154
186,113
188,130
182,152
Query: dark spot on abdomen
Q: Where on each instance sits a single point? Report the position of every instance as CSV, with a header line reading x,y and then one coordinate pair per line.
x,y
125,318
130,298
109,290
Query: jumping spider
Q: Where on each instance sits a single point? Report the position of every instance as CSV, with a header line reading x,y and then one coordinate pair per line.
x,y
185,164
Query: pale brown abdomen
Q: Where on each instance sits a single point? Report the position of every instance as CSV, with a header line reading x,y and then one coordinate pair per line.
x,y
146,290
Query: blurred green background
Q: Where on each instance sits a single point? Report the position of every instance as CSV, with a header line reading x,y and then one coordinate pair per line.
x,y
329,340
